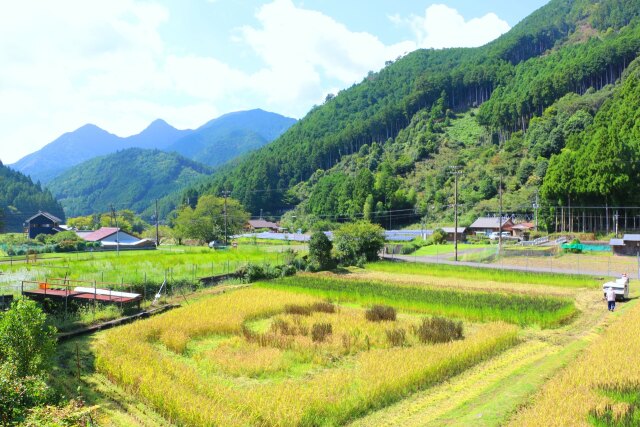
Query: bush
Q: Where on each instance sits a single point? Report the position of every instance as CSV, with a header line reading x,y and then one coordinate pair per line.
x,y
378,313
17,393
320,252
438,330
320,331
25,339
26,347
358,242
439,237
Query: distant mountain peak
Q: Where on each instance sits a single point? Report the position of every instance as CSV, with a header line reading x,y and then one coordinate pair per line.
x,y
158,124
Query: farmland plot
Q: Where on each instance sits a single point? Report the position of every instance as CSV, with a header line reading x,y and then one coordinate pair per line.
x,y
263,356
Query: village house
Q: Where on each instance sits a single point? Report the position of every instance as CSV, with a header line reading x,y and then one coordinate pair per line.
x,y
42,223
112,237
260,224
489,225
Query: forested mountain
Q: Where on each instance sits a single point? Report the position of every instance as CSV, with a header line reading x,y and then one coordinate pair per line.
x,y
504,109
213,143
129,179
20,199
230,135
88,142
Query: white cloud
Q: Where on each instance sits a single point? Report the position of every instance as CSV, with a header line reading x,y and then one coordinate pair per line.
x,y
78,62
442,26
305,49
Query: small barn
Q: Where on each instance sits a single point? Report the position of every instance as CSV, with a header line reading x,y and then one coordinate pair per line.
x,y
42,223
523,229
491,224
462,233
629,245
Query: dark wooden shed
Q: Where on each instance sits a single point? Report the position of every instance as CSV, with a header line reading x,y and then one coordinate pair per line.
x,y
42,223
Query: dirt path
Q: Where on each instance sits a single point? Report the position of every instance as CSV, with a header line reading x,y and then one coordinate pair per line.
x,y
489,393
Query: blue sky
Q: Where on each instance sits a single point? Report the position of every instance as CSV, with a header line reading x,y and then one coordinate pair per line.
x,y
122,63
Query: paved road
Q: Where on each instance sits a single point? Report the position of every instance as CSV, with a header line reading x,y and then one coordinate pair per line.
x,y
446,259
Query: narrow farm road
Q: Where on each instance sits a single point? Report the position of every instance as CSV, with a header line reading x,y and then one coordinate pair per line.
x,y
499,266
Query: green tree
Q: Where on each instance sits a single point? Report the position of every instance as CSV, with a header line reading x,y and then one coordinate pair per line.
x,y
358,242
320,251
207,221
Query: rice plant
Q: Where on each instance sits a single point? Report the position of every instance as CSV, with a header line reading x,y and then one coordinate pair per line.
x,y
545,311
378,313
193,364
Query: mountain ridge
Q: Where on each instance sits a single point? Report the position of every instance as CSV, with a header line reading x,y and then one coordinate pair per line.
x,y
89,141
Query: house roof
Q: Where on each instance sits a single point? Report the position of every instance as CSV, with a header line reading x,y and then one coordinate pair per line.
x,y
261,223
450,230
631,238
523,226
616,242
46,215
489,222
100,234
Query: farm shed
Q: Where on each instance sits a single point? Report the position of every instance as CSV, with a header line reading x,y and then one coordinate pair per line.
x,y
522,229
462,233
629,245
42,223
491,224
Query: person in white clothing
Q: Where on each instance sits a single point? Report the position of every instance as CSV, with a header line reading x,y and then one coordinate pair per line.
x,y
611,298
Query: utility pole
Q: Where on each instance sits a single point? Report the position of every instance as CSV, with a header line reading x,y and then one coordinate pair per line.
x,y
225,194
500,219
455,172
535,208
157,226
261,213
616,217
115,217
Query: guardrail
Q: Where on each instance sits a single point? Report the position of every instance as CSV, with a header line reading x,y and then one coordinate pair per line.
x,y
536,242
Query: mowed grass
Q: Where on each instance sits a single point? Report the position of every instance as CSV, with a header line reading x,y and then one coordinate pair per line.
x,y
177,263
518,309
601,387
198,365
488,274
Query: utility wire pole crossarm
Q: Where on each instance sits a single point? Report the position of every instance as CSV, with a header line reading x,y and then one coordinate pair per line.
x,y
455,171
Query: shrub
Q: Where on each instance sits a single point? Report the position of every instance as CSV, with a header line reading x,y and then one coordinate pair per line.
x,y
320,331
438,330
378,313
18,393
396,337
25,339
320,252
438,237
